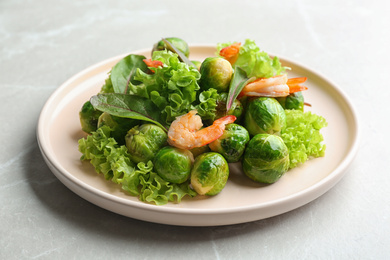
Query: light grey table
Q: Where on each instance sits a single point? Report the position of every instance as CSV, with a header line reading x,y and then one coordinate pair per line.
x,y
43,43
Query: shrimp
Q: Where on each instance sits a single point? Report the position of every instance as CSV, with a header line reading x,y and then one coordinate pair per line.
x,y
185,131
230,53
153,63
277,86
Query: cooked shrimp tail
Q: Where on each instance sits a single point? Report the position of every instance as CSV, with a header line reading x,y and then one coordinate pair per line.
x,y
230,53
294,84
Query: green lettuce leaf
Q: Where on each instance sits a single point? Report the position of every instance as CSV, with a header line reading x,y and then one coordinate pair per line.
x,y
302,136
113,161
207,106
107,157
172,87
254,62
156,190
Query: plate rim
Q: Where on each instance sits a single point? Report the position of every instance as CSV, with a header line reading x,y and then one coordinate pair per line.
x,y
319,187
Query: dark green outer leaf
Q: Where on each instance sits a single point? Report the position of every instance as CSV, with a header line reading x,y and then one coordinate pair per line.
x,y
239,80
182,57
128,106
123,72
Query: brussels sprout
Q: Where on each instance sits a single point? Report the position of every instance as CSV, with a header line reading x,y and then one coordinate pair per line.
x,y
264,115
180,44
118,125
89,117
266,158
199,150
173,164
209,173
216,73
232,142
292,101
143,142
197,64
236,109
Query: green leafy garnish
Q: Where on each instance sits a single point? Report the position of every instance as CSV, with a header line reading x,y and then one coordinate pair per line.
x,y
207,104
113,161
302,136
104,153
124,71
155,189
238,82
254,62
172,87
128,106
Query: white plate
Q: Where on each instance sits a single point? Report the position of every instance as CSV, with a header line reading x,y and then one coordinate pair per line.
x,y
242,200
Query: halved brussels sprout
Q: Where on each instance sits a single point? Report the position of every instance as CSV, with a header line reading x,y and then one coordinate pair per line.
x,y
89,117
232,142
216,73
264,115
173,164
209,173
118,125
266,158
236,109
180,44
292,101
143,142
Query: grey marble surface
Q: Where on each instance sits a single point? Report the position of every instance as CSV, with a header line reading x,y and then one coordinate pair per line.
x,y
43,43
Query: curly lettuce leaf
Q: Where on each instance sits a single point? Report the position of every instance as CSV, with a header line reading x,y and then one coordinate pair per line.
x,y
302,136
207,106
254,62
156,190
113,161
172,87
107,157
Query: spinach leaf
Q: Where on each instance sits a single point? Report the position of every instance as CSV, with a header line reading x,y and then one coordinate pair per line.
x,y
239,81
128,106
124,71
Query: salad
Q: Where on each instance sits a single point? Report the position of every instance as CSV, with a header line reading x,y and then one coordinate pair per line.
x,y
167,127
